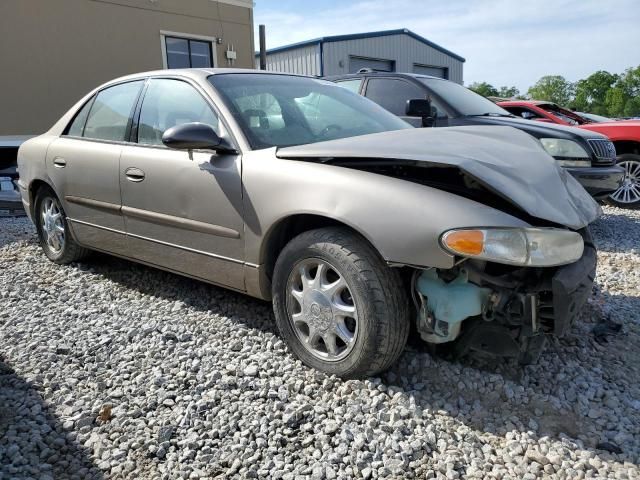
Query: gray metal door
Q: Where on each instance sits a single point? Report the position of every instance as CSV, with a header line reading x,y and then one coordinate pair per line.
x,y
375,64
440,72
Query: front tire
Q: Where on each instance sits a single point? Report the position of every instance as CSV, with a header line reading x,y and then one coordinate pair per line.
x,y
338,306
628,195
53,229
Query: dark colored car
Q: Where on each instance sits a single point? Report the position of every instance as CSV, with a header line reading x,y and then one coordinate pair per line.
x,y
10,202
624,134
588,156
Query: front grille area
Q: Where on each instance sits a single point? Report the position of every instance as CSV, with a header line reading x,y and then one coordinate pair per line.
x,y
604,150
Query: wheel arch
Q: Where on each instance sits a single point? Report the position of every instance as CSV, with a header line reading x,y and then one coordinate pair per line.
x,y
287,228
34,187
627,146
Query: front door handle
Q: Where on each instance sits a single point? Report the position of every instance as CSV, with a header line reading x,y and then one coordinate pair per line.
x,y
134,174
59,162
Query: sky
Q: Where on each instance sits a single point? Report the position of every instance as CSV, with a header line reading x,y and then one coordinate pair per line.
x,y
504,42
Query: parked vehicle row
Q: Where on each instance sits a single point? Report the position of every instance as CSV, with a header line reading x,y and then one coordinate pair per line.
x,y
357,226
589,156
624,134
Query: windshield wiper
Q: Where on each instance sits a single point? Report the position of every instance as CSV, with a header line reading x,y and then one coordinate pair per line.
x,y
492,114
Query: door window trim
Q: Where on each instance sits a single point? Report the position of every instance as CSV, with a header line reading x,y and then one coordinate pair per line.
x,y
213,41
138,110
93,98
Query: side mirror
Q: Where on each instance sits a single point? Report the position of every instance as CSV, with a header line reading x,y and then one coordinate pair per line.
x,y
418,107
195,136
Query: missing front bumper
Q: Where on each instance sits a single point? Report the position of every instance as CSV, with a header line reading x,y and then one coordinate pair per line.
x,y
516,309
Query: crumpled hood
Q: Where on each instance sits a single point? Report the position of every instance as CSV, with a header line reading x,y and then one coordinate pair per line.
x,y
510,162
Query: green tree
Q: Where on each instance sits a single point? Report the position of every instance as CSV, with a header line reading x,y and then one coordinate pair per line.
x,y
623,99
553,88
483,88
591,92
508,92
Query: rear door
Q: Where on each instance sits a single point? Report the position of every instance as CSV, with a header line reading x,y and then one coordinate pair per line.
x,y
183,210
83,165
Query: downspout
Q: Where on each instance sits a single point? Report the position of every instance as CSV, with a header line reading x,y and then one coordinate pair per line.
x,y
320,46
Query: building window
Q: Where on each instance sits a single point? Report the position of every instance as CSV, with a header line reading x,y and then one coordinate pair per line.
x,y
188,53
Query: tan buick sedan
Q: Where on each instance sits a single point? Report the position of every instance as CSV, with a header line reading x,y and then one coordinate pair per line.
x,y
296,190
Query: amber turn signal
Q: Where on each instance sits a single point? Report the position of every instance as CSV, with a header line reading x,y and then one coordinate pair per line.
x,y
465,242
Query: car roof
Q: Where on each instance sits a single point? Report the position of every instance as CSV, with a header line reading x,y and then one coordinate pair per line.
x,y
525,102
381,74
197,73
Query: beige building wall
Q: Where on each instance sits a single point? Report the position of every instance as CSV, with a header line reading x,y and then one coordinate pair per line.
x,y
52,52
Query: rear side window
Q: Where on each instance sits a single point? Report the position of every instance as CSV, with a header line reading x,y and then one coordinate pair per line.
x,y
168,103
392,94
111,112
77,126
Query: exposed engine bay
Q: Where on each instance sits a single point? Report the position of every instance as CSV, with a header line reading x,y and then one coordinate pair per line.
x,y
501,310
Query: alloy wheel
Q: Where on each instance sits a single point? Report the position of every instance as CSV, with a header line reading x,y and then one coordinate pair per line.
x,y
629,191
321,309
52,224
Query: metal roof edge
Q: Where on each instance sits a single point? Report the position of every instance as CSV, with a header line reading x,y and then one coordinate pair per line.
x,y
356,36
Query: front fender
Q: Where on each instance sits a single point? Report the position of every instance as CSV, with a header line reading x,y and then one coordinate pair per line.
x,y
401,219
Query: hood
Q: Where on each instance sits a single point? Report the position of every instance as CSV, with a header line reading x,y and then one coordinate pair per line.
x,y
505,160
539,129
624,129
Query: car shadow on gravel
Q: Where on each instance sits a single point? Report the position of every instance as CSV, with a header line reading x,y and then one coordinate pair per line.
x,y
199,295
33,442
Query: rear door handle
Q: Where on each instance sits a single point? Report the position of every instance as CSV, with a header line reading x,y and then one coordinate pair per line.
x,y
134,174
59,162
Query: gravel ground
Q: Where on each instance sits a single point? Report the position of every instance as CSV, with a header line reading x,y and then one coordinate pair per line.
x,y
110,370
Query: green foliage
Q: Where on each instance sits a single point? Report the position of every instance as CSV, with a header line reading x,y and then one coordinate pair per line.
x,y
508,92
602,92
553,88
483,88
591,92
624,97
487,90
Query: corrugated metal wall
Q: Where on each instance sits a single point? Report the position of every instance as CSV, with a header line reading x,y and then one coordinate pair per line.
x,y
303,60
405,50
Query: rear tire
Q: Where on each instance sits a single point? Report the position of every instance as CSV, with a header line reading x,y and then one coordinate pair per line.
x,y
628,195
53,229
338,306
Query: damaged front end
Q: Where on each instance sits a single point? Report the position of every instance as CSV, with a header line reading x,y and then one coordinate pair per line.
x,y
502,310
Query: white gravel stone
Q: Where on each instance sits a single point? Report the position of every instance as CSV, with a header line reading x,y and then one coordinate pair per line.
x,y
200,386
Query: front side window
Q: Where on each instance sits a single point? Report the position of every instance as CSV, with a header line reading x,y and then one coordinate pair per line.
x,y
168,103
111,111
280,110
392,94
187,53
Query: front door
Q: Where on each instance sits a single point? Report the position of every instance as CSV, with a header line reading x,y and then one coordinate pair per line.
x,y
84,167
183,210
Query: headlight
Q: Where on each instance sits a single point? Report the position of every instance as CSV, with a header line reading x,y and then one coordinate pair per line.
x,y
567,152
535,247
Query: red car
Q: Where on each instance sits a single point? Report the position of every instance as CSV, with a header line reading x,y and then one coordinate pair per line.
x,y
625,135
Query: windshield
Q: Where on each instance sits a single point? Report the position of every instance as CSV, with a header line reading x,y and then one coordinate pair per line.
x,y
594,118
564,114
280,110
463,100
